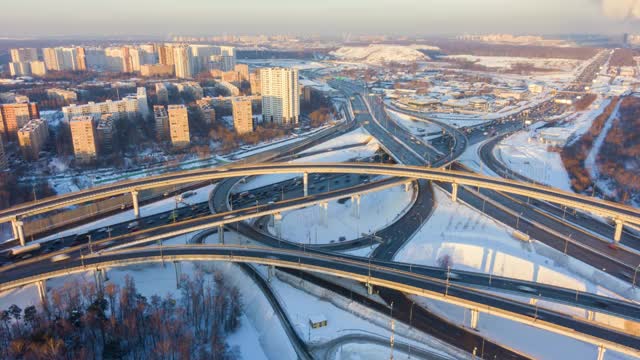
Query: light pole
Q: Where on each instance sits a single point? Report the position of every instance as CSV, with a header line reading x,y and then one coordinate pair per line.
x,y
90,245
518,221
635,274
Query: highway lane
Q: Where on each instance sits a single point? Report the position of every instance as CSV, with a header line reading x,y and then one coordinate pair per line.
x,y
358,270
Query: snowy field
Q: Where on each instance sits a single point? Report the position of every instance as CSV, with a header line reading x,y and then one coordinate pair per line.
x,y
377,211
343,155
416,127
379,54
355,137
527,154
475,242
506,62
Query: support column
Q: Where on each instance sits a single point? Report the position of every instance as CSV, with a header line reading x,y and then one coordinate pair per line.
x,y
475,316
601,350
221,234
369,288
270,272
100,277
42,290
407,186
178,266
324,210
355,205
134,199
591,315
533,301
20,228
454,192
618,233
277,224
14,228
305,182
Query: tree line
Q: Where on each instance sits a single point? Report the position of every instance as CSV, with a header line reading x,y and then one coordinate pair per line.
x,y
82,321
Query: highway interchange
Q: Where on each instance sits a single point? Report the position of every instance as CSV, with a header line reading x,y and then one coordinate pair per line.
x,y
405,148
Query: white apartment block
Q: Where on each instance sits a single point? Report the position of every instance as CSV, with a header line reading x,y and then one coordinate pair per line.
x,y
280,95
128,107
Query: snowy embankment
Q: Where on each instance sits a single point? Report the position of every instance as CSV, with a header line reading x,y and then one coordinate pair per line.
x,y
423,129
527,154
377,211
352,138
453,231
376,54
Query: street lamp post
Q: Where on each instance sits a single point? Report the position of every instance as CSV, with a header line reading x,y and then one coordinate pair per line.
x,y
635,274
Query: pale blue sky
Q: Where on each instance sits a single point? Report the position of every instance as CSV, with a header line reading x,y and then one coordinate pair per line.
x,y
162,17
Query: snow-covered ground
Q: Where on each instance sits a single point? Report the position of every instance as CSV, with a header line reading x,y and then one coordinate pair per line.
x,y
379,54
423,129
475,242
506,62
527,154
356,136
377,210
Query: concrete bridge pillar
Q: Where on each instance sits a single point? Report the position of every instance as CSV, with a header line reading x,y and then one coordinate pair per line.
x,y
369,288
618,233
178,267
475,316
221,234
270,272
277,224
355,205
324,213
100,276
42,290
407,186
454,192
305,182
533,301
18,231
601,350
591,315
134,199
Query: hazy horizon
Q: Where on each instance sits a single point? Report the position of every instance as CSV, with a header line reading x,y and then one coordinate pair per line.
x,y
329,17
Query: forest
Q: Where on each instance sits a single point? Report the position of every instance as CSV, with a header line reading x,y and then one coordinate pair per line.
x,y
83,321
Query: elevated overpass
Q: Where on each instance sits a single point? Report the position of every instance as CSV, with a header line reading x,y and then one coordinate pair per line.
x,y
619,212
359,270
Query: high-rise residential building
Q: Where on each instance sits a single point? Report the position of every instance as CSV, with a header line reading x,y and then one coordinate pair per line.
x,y
105,132
64,59
50,56
179,125
162,122
165,55
28,68
15,116
192,88
24,55
156,70
3,157
243,72
32,138
228,58
254,81
38,68
128,107
162,93
183,61
62,95
84,139
242,116
280,95
20,68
